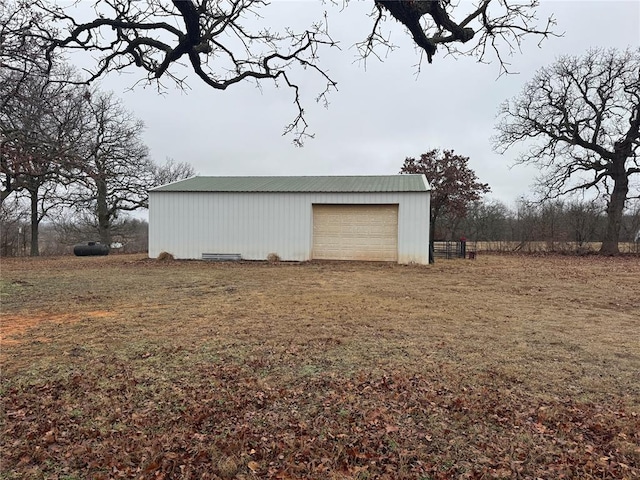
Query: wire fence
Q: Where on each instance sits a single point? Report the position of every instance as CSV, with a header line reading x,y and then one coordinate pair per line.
x,y
450,250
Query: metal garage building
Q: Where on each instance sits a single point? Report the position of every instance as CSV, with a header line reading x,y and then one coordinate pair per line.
x,y
382,218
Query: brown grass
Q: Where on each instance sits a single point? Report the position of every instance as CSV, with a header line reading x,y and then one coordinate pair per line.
x,y
502,367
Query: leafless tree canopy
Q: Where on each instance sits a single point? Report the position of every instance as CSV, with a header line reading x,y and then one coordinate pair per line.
x,y
581,118
218,39
40,123
170,171
468,28
21,51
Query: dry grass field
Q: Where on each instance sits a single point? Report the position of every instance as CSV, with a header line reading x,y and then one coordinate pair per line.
x,y
503,367
570,248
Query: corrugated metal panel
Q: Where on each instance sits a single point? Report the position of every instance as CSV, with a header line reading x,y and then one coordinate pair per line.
x,y
413,228
188,224
327,184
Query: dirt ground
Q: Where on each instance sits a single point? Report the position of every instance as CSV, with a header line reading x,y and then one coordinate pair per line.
x,y
500,367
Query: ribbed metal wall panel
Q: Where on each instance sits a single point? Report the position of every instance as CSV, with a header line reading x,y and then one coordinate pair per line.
x,y
188,224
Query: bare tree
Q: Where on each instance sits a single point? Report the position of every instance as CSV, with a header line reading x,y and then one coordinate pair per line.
x,y
225,42
581,117
170,171
487,221
631,224
39,127
115,169
115,172
23,51
14,217
553,223
453,184
583,218
526,224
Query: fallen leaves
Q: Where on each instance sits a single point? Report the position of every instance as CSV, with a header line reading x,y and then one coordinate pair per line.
x,y
215,422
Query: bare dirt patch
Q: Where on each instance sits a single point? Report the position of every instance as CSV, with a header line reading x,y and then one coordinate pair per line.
x,y
12,327
502,367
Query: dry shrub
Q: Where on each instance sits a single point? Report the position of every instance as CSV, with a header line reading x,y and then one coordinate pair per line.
x,y
273,258
227,467
165,257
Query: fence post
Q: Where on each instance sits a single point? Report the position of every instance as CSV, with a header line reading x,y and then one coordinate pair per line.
x,y
463,247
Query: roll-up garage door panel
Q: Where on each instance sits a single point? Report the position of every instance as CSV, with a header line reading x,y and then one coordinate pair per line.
x,y
355,232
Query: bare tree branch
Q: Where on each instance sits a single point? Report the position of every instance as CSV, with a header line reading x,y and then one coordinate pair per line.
x,y
217,39
498,25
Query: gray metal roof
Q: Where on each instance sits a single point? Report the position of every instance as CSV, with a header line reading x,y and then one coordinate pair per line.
x,y
327,184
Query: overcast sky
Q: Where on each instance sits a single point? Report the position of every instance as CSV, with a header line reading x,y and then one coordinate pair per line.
x,y
379,115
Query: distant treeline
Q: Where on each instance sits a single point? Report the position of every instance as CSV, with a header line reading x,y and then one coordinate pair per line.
x,y
559,224
129,235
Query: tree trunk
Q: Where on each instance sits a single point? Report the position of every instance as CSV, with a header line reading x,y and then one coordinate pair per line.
x,y
433,219
432,227
104,217
615,208
35,222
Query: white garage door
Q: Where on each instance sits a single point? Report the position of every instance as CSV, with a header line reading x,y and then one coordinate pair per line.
x,y
355,232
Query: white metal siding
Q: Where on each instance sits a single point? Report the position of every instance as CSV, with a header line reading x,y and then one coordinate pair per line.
x,y
188,224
